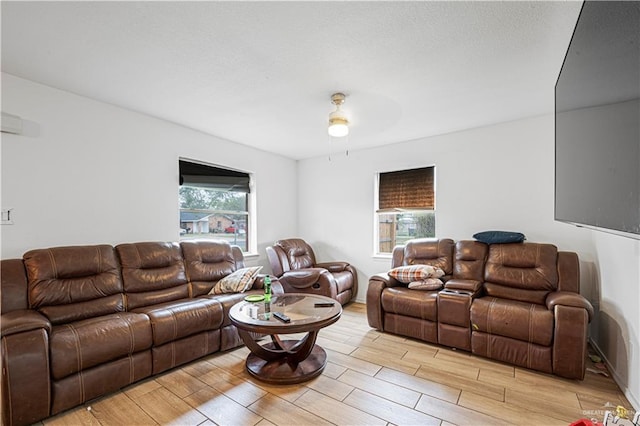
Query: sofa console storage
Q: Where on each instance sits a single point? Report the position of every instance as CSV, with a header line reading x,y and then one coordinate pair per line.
x,y
453,318
81,322
454,301
518,303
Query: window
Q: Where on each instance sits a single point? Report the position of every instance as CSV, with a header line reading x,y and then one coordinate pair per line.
x,y
406,207
214,203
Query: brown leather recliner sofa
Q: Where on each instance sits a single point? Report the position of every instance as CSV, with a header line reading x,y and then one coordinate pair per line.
x,y
294,263
517,303
80,322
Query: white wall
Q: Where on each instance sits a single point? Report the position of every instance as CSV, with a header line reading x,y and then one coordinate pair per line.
x,y
616,330
86,172
496,177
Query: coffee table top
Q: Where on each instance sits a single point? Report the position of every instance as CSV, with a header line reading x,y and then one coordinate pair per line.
x,y
300,308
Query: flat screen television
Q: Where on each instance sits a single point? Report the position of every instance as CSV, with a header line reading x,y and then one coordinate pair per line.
x,y
597,121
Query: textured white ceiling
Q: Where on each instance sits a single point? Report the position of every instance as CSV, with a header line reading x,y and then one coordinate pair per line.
x,y
261,73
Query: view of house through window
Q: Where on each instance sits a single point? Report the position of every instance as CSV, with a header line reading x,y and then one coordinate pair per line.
x,y
406,207
214,204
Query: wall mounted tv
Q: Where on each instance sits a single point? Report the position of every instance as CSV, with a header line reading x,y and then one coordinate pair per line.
x,y
597,121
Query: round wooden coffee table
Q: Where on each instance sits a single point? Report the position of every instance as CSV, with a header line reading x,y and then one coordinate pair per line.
x,y
285,361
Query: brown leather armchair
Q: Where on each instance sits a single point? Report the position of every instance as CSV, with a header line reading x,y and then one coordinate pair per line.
x,y
294,263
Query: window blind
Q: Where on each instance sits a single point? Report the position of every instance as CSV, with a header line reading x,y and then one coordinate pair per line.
x,y
210,177
406,190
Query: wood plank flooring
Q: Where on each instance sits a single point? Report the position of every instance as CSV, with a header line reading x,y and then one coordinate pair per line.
x,y
371,378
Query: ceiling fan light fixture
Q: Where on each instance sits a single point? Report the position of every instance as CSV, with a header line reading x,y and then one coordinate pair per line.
x,y
338,122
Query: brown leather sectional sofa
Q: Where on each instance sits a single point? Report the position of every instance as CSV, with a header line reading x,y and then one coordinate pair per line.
x,y
81,322
517,303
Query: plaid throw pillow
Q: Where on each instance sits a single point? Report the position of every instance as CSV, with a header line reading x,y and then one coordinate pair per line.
x,y
407,274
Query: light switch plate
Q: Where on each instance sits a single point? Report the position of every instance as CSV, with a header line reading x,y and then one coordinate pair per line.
x,y
6,217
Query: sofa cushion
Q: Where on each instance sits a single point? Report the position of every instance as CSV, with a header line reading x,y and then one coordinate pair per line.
x,y
428,284
514,293
228,300
527,322
207,262
237,282
73,283
411,327
102,379
412,303
298,253
525,272
84,344
518,352
425,251
152,273
181,318
469,260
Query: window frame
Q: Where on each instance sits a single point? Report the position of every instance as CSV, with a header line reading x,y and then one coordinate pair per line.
x,y
377,212
251,221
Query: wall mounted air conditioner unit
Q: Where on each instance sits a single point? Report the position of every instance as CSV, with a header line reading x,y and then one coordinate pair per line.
x,y
11,124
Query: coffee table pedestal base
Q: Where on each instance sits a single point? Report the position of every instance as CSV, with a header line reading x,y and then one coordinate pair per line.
x,y
284,371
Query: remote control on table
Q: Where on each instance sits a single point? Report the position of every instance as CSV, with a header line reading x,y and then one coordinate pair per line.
x,y
323,305
282,317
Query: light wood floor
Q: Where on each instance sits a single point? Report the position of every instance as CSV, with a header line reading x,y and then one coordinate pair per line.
x,y
371,378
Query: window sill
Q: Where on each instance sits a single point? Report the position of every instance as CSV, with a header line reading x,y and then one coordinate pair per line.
x,y
382,256
251,255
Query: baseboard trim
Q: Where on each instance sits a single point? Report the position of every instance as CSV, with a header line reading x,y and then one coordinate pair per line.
x,y
616,377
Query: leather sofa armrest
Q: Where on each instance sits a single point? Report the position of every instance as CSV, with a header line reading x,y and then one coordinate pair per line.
x,y
385,279
567,298
302,278
26,383
377,284
23,320
471,287
333,266
569,350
